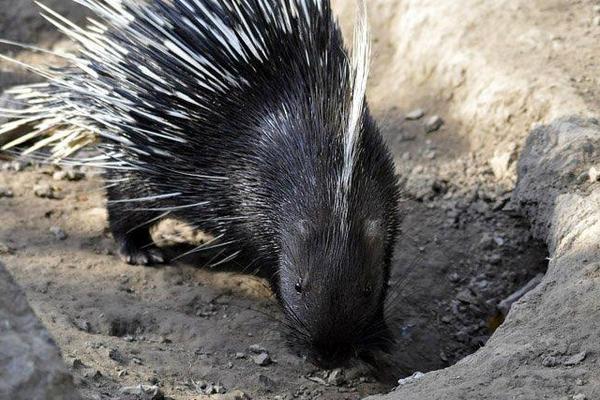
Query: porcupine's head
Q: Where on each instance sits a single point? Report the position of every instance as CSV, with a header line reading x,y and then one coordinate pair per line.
x,y
337,236
334,271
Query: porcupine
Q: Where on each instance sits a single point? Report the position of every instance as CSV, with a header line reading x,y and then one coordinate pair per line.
x,y
248,120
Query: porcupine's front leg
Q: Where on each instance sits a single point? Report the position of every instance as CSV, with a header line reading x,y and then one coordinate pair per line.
x,y
136,246
130,226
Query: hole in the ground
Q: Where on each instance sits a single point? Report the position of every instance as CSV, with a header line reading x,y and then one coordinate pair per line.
x,y
462,250
122,326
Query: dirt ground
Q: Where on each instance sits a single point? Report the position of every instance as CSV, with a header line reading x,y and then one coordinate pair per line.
x,y
462,248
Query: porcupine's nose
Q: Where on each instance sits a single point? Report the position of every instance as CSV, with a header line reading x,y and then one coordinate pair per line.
x,y
331,354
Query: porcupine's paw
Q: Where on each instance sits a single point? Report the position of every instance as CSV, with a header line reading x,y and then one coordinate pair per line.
x,y
134,255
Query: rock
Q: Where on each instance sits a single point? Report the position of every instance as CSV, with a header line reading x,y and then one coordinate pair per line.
x,y
415,114
594,175
44,190
145,392
233,395
59,175
549,361
262,359
575,359
411,379
6,249
58,232
209,388
466,296
93,374
596,21
5,192
433,124
31,364
257,349
581,396
240,355
486,242
68,175
83,325
115,355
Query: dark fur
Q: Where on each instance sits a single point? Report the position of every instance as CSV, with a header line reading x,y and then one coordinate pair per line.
x,y
278,141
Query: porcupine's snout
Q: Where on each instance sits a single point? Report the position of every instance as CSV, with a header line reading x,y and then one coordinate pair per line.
x,y
332,287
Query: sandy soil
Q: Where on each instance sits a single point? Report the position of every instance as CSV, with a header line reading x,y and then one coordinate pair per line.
x,y
462,248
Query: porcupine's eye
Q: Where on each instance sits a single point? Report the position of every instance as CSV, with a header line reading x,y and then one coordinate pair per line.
x,y
367,290
298,286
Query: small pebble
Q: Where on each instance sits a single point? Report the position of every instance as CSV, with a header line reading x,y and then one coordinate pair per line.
x,y
415,114
5,192
466,296
267,383
411,379
137,361
68,175
44,190
146,392
596,21
257,349
58,232
336,377
115,355
6,249
240,355
233,395
549,362
433,124
594,176
209,388
262,359
454,277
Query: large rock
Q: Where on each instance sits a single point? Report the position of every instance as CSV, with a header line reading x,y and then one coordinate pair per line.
x,y
31,367
549,346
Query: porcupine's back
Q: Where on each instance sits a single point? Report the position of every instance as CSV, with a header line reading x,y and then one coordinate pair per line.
x,y
185,93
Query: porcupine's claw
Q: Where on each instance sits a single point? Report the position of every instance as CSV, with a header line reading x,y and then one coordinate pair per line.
x,y
134,255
